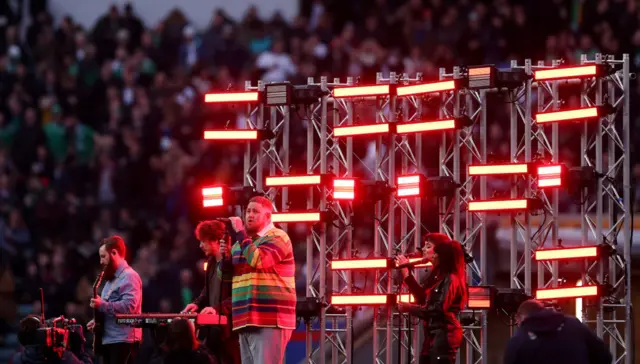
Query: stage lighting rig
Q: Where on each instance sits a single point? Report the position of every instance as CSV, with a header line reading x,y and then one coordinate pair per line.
x,y
284,94
221,195
309,308
509,300
488,76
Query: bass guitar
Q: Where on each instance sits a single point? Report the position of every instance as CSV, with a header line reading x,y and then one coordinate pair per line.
x,y
98,318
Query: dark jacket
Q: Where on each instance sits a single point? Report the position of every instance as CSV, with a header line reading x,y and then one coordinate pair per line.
x,y
549,337
225,290
32,355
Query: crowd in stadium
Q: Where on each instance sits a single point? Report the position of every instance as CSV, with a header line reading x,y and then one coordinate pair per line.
x,y
100,128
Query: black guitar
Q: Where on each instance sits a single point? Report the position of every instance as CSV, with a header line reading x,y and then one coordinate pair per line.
x,y
98,318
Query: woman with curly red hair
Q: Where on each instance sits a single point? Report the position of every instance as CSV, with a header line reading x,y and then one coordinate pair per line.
x,y
440,299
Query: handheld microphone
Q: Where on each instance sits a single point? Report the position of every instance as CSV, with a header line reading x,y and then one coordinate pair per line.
x,y
411,264
223,219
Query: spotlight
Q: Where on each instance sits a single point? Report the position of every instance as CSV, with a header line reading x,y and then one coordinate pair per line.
x,y
308,308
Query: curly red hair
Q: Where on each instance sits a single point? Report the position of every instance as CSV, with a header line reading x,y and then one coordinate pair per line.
x,y
210,230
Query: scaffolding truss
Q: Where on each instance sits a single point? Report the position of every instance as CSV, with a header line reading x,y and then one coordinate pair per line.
x,y
398,227
457,150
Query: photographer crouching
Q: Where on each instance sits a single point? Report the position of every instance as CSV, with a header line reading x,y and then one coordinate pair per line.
x,y
57,341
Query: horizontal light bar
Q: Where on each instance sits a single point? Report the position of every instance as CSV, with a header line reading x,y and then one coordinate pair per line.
x,y
361,91
212,196
293,181
425,88
585,113
406,298
295,217
478,304
550,176
344,131
572,292
372,299
231,134
409,186
498,169
567,72
344,189
355,264
567,253
499,205
226,97
407,128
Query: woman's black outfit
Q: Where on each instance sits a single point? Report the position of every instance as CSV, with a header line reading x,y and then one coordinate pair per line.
x,y
440,301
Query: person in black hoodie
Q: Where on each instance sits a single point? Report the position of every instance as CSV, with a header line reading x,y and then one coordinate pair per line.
x,y
440,299
35,353
550,337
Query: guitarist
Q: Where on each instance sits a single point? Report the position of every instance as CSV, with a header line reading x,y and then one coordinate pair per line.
x,y
122,293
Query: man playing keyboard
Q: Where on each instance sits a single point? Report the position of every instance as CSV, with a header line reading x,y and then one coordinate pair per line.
x,y
215,297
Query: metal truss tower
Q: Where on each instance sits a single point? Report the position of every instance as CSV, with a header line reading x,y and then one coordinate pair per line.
x,y
605,146
271,155
329,241
457,150
531,142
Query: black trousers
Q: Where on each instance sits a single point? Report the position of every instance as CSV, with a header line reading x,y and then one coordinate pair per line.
x,y
119,353
442,346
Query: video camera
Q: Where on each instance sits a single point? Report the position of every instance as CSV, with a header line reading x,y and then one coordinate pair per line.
x,y
53,337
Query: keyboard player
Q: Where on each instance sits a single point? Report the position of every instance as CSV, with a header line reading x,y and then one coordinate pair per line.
x,y
216,295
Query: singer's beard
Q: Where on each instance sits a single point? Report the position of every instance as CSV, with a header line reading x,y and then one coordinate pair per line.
x,y
110,270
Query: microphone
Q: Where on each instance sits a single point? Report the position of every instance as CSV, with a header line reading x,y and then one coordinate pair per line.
x,y
411,264
223,219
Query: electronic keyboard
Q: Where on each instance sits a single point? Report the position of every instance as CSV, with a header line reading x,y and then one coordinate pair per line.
x,y
159,319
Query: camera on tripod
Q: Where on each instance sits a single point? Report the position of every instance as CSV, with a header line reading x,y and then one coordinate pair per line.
x,y
53,337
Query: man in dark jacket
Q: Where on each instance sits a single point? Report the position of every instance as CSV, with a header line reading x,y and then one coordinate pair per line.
x,y
549,337
35,353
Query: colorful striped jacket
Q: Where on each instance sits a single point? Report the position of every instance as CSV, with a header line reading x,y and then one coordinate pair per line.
x,y
262,270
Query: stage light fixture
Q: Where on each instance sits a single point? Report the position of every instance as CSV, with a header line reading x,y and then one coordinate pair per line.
x,y
362,264
406,298
358,130
480,297
567,73
507,205
585,113
441,186
238,135
433,126
550,175
222,195
308,308
232,97
481,77
302,217
361,91
374,191
581,177
511,78
509,299
284,94
498,169
426,88
302,180
363,300
582,252
344,189
569,292
410,186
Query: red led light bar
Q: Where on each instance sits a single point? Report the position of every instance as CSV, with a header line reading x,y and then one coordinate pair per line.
x,y
425,88
284,217
577,114
498,169
407,128
231,134
479,297
361,91
423,265
293,181
572,292
499,205
566,72
406,298
212,196
363,300
357,264
409,186
567,253
226,97
344,131
550,176
205,266
344,189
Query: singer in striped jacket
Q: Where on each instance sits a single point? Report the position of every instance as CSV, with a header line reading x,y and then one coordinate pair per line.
x,y
262,268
